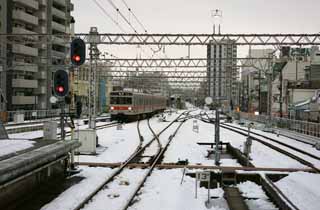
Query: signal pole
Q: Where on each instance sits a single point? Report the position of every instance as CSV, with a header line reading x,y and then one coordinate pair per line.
x,y
94,39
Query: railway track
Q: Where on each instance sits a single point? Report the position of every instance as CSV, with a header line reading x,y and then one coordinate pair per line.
x,y
133,158
269,142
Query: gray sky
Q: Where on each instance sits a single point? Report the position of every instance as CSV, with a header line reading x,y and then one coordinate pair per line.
x,y
193,16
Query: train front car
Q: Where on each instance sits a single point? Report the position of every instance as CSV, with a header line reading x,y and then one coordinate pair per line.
x,y
128,106
121,105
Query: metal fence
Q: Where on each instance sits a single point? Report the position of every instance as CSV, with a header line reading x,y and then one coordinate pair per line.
x,y
31,115
305,127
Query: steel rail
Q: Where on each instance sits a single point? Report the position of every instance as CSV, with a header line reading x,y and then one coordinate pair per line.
x,y
152,167
272,146
119,170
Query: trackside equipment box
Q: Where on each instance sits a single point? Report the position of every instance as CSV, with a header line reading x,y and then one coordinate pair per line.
x,y
87,139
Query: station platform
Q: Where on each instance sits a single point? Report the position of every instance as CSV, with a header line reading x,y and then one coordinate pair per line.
x,y
26,164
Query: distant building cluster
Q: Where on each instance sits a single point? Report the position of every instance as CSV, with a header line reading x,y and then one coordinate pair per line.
x,y
295,84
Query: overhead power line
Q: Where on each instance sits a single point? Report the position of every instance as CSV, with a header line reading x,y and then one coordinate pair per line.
x,y
123,17
108,15
135,17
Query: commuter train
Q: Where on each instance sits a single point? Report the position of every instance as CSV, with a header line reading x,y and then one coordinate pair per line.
x,y
130,105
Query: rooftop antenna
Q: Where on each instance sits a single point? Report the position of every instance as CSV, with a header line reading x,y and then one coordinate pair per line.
x,y
216,17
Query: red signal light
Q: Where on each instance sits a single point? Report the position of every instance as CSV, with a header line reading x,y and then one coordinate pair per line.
x,y
60,89
76,58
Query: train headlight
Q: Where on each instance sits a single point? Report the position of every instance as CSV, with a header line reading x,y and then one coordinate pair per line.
x,y
130,108
112,108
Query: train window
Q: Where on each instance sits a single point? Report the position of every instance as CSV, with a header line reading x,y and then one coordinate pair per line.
x,y
121,100
113,100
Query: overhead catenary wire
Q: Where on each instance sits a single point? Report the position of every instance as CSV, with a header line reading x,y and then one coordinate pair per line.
x,y
135,17
108,15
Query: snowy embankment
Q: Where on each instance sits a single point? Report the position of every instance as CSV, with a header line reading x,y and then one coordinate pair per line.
x,y
184,146
302,189
291,142
70,198
8,146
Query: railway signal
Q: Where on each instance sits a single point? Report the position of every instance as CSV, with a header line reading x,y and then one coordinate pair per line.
x,y
61,83
78,52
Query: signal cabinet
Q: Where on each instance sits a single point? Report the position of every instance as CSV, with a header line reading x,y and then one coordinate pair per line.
x,y
88,142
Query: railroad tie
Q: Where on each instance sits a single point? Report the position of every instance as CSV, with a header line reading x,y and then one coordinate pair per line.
x,y
234,199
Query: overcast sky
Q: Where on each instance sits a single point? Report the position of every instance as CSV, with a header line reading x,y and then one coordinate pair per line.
x,y
194,16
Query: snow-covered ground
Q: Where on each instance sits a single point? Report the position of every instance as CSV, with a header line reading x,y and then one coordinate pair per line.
x,y
291,142
118,144
256,197
164,191
302,189
184,146
8,146
69,199
115,195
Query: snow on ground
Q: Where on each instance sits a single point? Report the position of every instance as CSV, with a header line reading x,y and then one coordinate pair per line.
x,y
26,135
162,191
261,155
70,198
258,200
184,145
119,144
163,138
8,146
302,189
116,194
299,145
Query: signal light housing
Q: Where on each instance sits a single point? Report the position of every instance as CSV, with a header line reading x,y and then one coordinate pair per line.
x,y
78,52
61,83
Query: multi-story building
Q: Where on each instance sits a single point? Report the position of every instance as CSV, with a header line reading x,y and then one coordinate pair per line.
x,y
289,84
222,72
253,82
30,61
3,50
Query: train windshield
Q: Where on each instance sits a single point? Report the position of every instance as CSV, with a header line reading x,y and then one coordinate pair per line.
x,y
121,100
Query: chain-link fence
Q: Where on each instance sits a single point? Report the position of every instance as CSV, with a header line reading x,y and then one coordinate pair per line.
x,y
305,127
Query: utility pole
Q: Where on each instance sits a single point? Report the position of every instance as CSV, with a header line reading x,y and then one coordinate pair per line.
x,y
280,102
269,74
259,92
94,39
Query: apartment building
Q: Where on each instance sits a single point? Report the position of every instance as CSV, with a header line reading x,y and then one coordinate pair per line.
x,y
222,71
30,61
254,81
3,26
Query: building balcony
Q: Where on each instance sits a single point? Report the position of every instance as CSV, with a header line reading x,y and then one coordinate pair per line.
x,y
25,17
58,54
58,27
58,13
25,50
24,83
21,66
28,3
24,100
41,90
59,41
16,30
